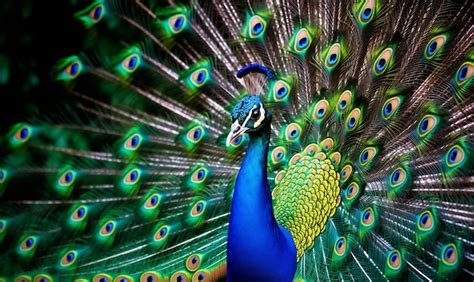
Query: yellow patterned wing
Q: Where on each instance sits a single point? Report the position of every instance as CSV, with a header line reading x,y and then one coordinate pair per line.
x,y
306,195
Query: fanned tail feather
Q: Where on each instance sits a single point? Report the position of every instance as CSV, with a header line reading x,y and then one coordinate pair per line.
x,y
134,180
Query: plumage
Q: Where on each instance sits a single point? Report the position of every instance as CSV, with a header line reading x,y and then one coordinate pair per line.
x,y
250,141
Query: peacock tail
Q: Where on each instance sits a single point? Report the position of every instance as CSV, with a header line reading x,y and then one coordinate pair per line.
x,y
370,158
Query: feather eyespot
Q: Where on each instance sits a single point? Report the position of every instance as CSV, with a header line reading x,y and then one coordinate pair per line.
x,y
131,63
302,40
195,134
199,175
132,176
321,110
96,13
450,254
161,233
383,61
102,278
345,100
367,155
150,276
367,217
257,26
346,172
201,276
153,201
427,124
237,141
73,69
464,73
3,175
293,132
193,262
67,178
435,45
352,119
394,259
123,278
69,258
367,12
69,68
398,177
425,221
23,278
79,213
108,228
352,191
390,107
3,225
312,149
340,246
278,154
198,208
22,134
279,176
199,77
133,142
455,156
28,243
334,56
280,90
179,276
335,158
42,278
327,145
177,23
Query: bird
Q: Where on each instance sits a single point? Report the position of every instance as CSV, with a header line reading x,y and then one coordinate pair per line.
x,y
249,141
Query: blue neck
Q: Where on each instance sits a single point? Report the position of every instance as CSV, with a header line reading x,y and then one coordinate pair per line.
x,y
257,245
252,194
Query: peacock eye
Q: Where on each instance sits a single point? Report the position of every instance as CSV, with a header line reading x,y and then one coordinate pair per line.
x,y
201,275
177,23
255,114
383,61
333,56
131,63
161,233
464,73
107,228
96,13
257,26
193,262
340,246
198,208
394,259
302,40
69,258
150,276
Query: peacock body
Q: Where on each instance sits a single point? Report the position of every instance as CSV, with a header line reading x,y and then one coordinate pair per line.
x,y
347,154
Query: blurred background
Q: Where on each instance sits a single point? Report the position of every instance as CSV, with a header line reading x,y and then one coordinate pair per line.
x,y
33,36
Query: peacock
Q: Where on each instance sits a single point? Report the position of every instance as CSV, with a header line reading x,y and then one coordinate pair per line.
x,y
305,140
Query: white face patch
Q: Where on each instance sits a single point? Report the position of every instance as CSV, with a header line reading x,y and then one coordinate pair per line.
x,y
248,117
261,118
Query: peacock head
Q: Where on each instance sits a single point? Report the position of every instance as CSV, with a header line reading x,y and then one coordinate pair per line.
x,y
248,116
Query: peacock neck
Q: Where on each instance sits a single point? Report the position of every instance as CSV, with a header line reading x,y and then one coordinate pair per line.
x,y
252,193
258,248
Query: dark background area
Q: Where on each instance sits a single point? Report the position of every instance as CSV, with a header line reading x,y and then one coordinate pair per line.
x,y
34,35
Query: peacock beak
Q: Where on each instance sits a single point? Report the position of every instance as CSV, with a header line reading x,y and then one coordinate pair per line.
x,y
235,131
